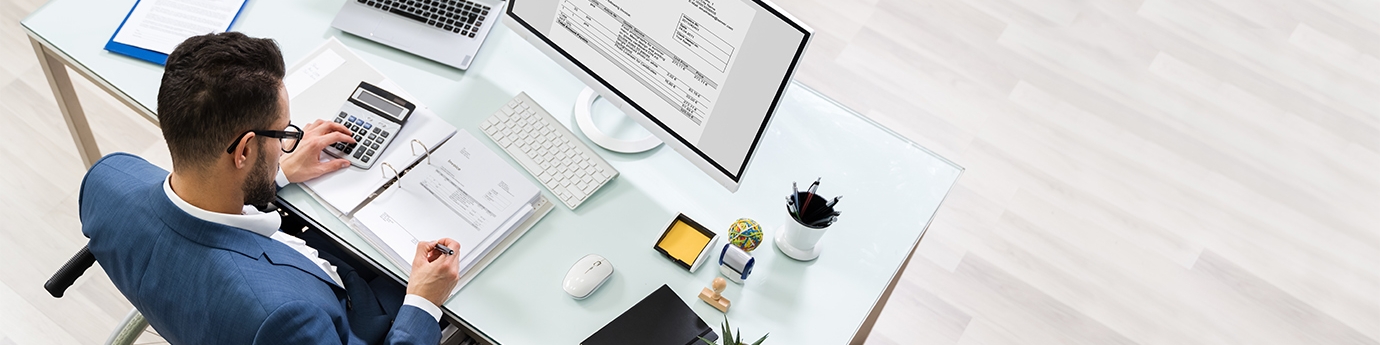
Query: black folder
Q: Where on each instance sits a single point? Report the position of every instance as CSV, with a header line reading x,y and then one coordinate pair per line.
x,y
661,318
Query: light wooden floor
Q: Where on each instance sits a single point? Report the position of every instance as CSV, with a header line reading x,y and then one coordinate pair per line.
x,y
1147,171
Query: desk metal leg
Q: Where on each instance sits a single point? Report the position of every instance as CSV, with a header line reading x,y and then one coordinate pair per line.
x,y
67,102
871,320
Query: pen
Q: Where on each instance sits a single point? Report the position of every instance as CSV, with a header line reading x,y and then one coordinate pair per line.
x,y
813,186
794,202
444,249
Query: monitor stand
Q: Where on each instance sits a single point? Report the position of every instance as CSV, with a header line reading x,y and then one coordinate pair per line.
x,y
584,109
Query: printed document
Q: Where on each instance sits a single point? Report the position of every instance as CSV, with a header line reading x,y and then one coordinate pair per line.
x,y
464,191
680,51
160,25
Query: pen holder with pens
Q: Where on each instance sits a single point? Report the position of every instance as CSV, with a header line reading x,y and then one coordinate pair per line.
x,y
809,216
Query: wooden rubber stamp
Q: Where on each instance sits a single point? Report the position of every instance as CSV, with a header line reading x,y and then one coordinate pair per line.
x,y
715,297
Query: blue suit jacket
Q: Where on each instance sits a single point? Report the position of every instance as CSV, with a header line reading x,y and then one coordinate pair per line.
x,y
199,282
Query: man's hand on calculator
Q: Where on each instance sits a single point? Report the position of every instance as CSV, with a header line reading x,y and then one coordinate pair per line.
x,y
305,162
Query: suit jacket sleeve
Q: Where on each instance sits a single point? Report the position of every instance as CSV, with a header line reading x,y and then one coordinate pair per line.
x,y
304,323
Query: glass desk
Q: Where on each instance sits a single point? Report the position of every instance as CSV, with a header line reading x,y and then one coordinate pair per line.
x,y
893,186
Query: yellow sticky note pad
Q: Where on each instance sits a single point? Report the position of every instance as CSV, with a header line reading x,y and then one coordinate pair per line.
x,y
684,242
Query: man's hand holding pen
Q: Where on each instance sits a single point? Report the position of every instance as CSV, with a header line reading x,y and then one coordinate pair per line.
x,y
435,270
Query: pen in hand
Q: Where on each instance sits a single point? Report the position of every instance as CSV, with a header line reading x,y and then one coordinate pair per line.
x,y
444,249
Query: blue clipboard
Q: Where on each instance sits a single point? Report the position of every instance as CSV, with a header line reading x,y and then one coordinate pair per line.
x,y
145,54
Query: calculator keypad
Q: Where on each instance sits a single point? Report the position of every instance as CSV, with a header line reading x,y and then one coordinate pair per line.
x,y
369,138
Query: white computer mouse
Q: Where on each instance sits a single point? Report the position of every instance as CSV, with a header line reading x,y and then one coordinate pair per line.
x,y
587,275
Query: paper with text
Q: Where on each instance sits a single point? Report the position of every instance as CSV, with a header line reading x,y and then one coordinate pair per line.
x,y
160,25
305,77
679,51
464,191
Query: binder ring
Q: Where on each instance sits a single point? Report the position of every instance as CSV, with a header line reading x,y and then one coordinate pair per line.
x,y
390,167
425,150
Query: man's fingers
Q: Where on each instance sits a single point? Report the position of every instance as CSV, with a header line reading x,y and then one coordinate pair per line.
x,y
332,165
310,126
450,243
332,127
423,248
317,144
334,137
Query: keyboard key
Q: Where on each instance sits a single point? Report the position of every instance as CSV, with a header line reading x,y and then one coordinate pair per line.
x,y
352,119
364,159
384,134
374,146
368,125
342,115
369,153
409,12
379,140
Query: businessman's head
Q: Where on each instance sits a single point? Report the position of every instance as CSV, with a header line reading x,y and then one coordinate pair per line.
x,y
219,96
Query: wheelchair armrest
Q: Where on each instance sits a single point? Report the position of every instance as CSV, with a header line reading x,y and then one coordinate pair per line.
x,y
69,272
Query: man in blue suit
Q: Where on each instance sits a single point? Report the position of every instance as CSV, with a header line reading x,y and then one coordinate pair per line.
x,y
203,267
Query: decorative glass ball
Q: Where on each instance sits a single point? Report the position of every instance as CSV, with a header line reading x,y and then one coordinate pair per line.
x,y
745,233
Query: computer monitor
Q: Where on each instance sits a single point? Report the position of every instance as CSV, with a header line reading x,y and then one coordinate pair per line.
x,y
704,76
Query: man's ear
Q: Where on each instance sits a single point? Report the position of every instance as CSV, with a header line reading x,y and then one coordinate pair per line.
x,y
241,154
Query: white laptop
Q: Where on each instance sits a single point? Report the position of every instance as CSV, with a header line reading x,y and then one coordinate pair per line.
x,y
445,31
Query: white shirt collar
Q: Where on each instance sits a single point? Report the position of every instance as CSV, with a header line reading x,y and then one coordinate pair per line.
x,y
250,218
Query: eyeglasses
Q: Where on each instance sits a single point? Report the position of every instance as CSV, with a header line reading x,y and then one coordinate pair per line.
x,y
289,137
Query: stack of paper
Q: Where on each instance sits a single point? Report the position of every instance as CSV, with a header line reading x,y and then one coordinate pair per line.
x,y
464,191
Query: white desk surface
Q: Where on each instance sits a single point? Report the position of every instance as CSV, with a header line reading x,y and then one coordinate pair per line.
x,y
893,188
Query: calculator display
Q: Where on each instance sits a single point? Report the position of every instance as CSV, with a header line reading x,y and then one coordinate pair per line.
x,y
383,105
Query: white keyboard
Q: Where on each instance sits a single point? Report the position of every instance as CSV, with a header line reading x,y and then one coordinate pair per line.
x,y
549,151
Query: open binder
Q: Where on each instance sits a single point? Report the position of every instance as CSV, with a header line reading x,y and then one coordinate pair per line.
x,y
461,190
433,181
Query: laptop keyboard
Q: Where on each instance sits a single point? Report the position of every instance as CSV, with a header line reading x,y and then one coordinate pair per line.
x,y
457,16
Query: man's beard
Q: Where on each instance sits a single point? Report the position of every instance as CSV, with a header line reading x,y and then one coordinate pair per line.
x,y
260,188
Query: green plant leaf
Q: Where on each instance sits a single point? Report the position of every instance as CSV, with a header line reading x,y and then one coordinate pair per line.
x,y
728,333
759,341
706,341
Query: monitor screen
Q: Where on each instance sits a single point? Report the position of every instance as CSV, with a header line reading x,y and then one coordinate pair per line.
x,y
709,72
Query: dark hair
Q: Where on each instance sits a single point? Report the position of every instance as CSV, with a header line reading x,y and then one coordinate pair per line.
x,y
215,87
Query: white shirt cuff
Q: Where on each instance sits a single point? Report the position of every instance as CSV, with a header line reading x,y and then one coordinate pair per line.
x,y
281,179
419,302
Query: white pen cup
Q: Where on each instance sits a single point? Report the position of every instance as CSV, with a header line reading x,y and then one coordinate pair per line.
x,y
797,240
802,237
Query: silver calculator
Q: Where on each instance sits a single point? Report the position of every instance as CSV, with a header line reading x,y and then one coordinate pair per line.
x,y
374,116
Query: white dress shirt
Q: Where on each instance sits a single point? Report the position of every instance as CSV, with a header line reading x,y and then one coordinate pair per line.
x,y
267,224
